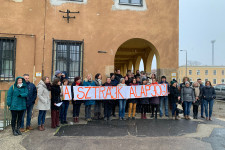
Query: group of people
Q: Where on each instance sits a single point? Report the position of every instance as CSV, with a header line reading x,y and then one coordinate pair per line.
x,y
22,95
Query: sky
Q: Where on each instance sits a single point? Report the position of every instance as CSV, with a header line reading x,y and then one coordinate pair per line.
x,y
200,22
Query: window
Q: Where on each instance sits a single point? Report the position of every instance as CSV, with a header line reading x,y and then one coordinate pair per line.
x,y
131,2
214,72
206,72
214,81
68,57
222,81
222,72
7,59
198,72
190,72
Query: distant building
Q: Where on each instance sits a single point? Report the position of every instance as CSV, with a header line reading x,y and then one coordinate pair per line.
x,y
215,74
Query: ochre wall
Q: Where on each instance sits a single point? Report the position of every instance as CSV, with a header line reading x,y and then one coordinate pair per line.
x,y
98,25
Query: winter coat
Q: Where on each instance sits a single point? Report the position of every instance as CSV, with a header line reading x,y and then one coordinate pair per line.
x,y
43,96
197,94
208,93
118,77
114,82
89,83
174,94
154,100
187,94
16,97
98,82
77,101
32,93
106,100
55,93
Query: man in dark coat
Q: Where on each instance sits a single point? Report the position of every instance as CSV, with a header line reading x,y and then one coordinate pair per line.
x,y
30,101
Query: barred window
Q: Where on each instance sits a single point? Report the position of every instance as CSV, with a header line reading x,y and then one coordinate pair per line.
x,y
7,58
68,58
131,2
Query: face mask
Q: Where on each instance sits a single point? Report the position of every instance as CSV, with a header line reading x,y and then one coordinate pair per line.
x,y
20,85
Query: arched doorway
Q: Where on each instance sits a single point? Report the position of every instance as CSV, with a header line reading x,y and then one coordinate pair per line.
x,y
132,51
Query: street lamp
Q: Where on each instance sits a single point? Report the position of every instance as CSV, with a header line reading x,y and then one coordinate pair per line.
x,y
186,59
213,41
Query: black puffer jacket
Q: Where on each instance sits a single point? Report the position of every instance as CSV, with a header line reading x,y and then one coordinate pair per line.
x,y
208,93
55,92
174,94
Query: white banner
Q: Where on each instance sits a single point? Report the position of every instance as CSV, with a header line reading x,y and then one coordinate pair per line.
x,y
67,93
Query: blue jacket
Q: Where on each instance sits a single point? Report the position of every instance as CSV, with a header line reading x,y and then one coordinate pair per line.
x,y
32,93
88,83
114,82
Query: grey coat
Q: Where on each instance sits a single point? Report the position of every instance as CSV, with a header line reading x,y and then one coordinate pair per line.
x,y
43,96
187,94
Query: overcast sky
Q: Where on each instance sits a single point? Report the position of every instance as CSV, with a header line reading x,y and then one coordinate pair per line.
x,y
200,22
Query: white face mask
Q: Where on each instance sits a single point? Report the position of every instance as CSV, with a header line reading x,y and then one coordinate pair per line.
x,y
20,85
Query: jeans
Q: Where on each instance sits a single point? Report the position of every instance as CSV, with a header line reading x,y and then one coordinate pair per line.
x,y
16,118
122,105
29,115
174,109
64,109
87,111
76,110
187,108
41,117
202,108
164,100
210,104
107,109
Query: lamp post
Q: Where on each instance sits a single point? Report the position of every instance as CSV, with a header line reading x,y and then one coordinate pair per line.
x,y
213,41
186,59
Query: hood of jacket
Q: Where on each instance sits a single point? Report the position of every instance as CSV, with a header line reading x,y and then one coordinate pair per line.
x,y
23,80
41,84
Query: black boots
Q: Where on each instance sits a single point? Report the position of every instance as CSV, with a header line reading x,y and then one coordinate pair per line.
x,y
14,132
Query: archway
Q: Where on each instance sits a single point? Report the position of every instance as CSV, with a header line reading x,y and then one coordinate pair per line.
x,y
132,51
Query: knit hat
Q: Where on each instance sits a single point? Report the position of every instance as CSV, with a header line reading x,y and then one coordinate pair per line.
x,y
187,82
57,72
172,82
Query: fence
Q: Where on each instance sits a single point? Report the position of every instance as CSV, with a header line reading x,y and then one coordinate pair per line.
x,y
5,115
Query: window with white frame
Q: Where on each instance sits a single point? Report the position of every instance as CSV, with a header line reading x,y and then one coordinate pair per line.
x,y
131,2
222,72
198,72
190,72
214,72
206,72
214,81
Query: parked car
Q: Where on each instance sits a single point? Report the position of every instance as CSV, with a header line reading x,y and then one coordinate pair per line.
x,y
220,91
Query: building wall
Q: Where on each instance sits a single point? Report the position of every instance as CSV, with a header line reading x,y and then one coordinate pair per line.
x,y
35,23
219,76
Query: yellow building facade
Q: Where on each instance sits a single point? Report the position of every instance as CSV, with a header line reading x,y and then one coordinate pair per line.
x,y
215,74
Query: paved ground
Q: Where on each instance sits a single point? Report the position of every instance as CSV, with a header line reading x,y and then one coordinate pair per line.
x,y
139,134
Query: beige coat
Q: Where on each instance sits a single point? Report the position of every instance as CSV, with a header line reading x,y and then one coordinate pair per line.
x,y
44,101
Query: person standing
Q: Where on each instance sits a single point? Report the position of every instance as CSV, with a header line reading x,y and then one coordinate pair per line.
x,y
208,94
65,104
187,98
118,75
164,99
16,101
76,103
132,103
56,98
114,82
88,103
144,102
154,101
174,98
43,92
58,74
201,99
32,96
98,103
197,102
122,102
107,103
